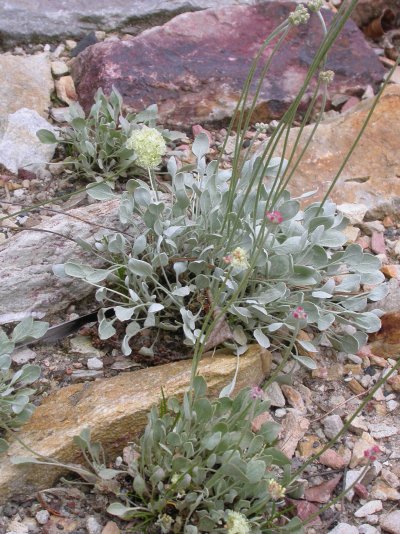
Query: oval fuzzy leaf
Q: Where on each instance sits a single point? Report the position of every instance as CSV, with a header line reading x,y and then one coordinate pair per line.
x,y
47,137
155,307
30,373
200,145
306,361
139,267
307,345
121,511
100,191
255,471
122,313
261,338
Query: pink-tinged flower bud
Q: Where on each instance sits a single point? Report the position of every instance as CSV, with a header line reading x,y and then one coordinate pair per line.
x,y
257,393
371,453
299,313
228,259
274,216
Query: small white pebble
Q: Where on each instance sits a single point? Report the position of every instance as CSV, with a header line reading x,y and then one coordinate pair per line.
x,y
94,364
42,517
392,405
93,526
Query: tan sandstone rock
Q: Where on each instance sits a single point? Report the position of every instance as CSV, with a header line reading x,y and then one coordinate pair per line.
x,y
371,175
116,411
26,83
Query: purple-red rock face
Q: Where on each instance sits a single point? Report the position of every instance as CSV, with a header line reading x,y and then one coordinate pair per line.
x,y
194,66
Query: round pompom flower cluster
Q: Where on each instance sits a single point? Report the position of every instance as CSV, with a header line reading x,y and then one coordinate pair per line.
x,y
149,146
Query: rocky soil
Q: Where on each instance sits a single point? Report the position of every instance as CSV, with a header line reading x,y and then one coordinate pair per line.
x,y
53,63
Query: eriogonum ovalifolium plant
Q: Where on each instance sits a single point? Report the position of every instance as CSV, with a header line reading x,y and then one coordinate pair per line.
x,y
199,467
15,408
271,269
102,146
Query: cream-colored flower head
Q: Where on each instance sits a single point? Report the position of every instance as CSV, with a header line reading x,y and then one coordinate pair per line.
x,y
149,146
299,16
326,76
165,523
315,5
237,523
175,477
276,490
239,258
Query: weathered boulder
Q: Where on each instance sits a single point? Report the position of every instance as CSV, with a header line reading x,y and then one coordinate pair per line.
x,y
19,144
367,10
26,82
28,285
23,20
116,411
371,176
386,342
194,67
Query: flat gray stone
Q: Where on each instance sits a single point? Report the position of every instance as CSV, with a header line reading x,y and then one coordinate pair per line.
x,y
275,396
390,522
24,20
22,356
19,144
29,286
332,425
30,84
369,508
344,528
95,364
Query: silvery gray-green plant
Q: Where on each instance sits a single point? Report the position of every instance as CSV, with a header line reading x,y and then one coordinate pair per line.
x,y
99,146
199,467
15,408
187,258
235,245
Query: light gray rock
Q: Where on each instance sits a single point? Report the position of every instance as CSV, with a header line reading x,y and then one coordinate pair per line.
x,y
369,508
23,356
20,20
372,519
28,285
30,84
332,425
354,212
275,395
59,68
17,527
19,144
82,345
81,375
367,529
379,430
344,528
93,526
94,364
391,522
42,517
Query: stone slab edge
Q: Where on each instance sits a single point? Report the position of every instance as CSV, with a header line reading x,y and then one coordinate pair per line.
x,y
115,409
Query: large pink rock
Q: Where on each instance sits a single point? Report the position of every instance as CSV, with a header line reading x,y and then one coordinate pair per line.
x,y
195,65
